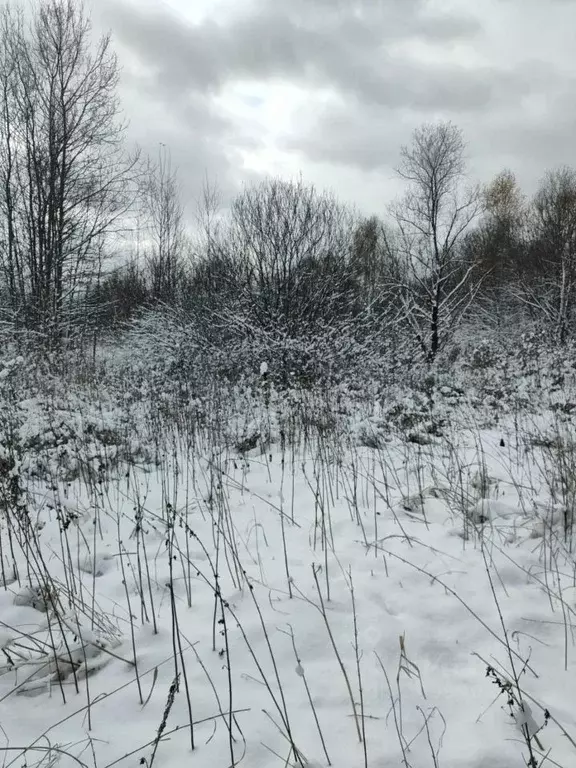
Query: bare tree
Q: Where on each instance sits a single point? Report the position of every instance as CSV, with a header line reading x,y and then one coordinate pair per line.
x,y
293,243
554,234
217,276
504,202
208,218
164,210
65,179
498,245
374,261
432,218
12,270
504,226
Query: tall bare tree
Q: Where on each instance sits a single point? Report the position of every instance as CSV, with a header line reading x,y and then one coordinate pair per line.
x,y
216,275
374,261
432,218
554,231
65,178
165,213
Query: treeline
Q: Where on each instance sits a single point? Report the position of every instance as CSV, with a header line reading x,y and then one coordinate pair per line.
x,y
283,260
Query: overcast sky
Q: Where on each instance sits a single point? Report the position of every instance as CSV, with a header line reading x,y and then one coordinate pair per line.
x,y
332,88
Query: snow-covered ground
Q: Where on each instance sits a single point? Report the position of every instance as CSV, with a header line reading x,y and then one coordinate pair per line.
x,y
313,595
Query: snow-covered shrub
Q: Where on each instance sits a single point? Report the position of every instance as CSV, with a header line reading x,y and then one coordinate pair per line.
x,y
166,346
484,356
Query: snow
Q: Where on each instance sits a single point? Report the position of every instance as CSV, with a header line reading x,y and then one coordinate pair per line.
x,y
183,578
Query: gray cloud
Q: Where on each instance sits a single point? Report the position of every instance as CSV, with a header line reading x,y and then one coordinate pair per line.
x,y
368,132
366,139
328,43
389,65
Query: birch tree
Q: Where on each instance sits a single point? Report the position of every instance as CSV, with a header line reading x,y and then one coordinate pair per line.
x,y
432,219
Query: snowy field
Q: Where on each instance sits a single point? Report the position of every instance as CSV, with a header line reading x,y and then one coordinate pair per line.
x,y
266,582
